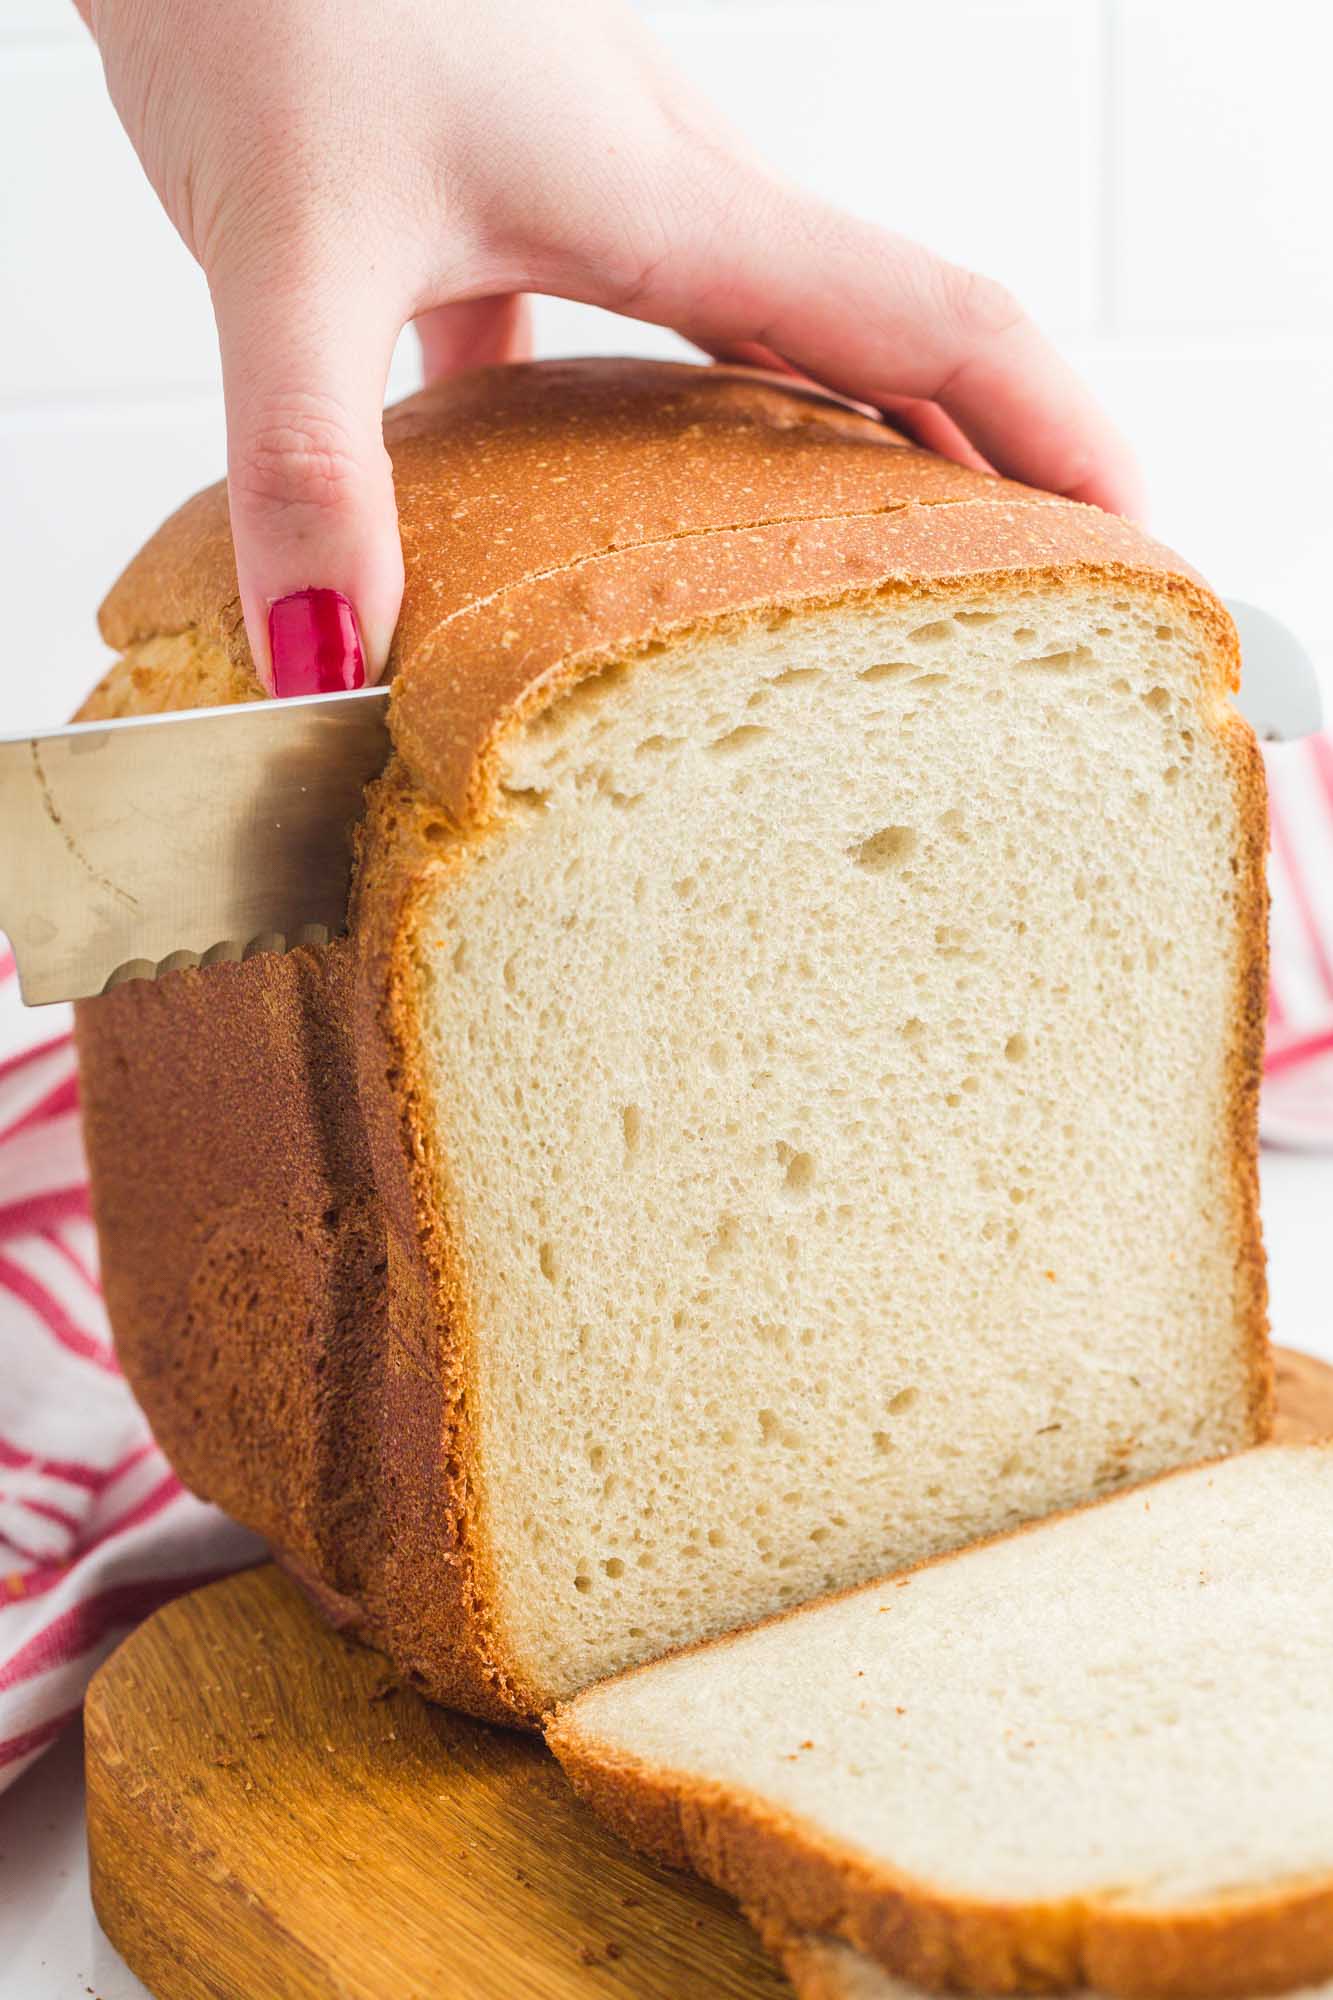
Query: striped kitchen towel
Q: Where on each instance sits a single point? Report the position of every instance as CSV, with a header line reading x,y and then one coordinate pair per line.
x,y
95,1529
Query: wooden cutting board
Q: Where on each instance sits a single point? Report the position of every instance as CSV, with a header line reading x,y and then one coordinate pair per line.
x,y
271,1817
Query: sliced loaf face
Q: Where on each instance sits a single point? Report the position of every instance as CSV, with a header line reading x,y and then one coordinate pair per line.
x,y
834,1059
1099,1751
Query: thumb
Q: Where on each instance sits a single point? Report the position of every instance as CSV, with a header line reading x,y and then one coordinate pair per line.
x,y
311,495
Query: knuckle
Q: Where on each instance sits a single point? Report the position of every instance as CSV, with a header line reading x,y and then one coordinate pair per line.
x,y
638,276
978,307
639,236
297,453
678,260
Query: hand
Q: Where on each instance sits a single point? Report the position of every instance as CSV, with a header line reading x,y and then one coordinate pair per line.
x,y
339,168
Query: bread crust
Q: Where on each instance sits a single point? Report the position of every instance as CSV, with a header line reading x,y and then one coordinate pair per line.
x,y
816,1966
513,472
821,1968
797,1884
1245,1065
560,514
919,1932
555,518
439,1594
240,1233
1195,1953
295,1333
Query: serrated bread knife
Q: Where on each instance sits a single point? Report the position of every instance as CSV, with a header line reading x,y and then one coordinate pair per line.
x,y
131,848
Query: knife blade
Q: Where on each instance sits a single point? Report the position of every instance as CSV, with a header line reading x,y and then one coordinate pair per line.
x,y
133,847
129,848
1279,695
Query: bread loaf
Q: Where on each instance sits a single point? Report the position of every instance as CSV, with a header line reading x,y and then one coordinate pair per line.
x,y
1097,1752
786,1102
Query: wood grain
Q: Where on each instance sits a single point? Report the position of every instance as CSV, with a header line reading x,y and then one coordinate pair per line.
x,y
1304,1397
272,1817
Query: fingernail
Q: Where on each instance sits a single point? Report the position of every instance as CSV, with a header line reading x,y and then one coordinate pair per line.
x,y
314,644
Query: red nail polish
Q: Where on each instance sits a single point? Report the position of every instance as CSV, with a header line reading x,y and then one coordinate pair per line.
x,y
314,644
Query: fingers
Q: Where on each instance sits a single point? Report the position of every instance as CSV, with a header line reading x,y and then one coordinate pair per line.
x,y
934,428
304,361
749,354
925,423
474,333
885,322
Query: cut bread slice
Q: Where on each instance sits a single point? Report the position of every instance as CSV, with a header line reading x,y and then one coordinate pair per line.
x,y
1096,1752
786,1103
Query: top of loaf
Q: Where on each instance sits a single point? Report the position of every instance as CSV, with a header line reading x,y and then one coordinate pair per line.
x,y
557,515
511,472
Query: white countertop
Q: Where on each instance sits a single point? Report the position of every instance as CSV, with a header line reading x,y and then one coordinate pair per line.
x,y
50,1946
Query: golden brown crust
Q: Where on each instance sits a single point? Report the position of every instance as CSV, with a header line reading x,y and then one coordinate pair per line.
x,y
510,472
440,1594
554,514
821,1968
242,1244
796,1883
554,517
817,1967
1245,1063
272,1305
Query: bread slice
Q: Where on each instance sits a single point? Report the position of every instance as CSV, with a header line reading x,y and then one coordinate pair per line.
x,y
786,1103
1097,1751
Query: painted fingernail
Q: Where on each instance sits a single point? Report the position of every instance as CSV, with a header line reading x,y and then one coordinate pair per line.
x,y
314,644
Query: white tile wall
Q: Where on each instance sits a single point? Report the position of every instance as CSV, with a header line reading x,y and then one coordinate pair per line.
x,y
1224,146
39,20
1237,430
942,121
1150,175
81,489
77,230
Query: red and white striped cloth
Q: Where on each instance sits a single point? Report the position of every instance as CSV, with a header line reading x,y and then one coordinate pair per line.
x,y
95,1529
